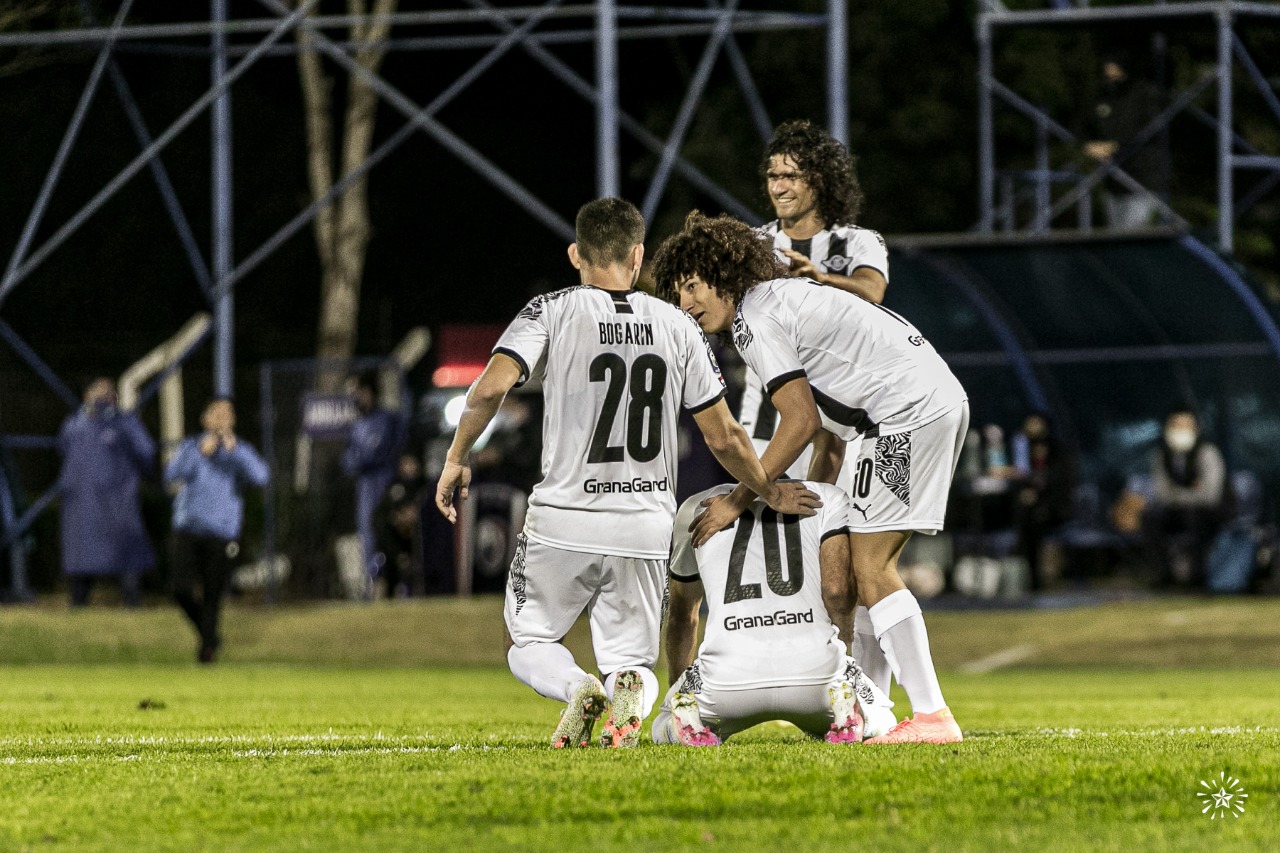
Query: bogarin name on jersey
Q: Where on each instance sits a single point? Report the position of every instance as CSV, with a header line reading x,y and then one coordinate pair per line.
x,y
626,333
635,484
768,620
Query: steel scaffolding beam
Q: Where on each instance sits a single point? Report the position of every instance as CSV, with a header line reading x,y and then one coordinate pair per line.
x,y
999,192
532,28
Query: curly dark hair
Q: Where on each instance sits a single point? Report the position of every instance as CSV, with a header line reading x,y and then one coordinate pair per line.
x,y
827,165
724,252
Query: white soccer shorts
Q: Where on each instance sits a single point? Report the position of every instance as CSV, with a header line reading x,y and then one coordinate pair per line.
x,y
548,588
901,482
727,712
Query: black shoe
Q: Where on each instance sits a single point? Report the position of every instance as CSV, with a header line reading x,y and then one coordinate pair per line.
x,y
207,654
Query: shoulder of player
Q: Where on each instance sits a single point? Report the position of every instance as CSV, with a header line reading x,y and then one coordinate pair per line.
x,y
857,232
540,303
769,229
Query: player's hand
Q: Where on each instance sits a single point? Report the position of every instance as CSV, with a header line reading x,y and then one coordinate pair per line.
x,y
792,498
229,441
721,512
453,476
209,444
802,267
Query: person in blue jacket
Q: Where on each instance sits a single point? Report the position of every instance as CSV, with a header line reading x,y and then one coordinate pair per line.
x,y
105,452
371,456
210,471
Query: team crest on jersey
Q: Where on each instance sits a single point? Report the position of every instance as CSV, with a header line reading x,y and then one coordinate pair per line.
x,y
836,263
741,331
533,310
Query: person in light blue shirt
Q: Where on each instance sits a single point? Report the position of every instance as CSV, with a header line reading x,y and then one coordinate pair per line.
x,y
210,471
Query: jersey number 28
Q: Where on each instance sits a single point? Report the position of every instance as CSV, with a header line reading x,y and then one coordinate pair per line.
x,y
648,381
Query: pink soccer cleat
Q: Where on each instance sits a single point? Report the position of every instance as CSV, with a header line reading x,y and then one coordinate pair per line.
x,y
687,723
938,727
846,722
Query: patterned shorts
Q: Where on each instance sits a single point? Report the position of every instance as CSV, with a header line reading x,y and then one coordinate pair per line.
x,y
901,481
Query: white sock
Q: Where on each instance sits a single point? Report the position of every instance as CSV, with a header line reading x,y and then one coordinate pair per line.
x,y
867,651
648,696
899,627
548,668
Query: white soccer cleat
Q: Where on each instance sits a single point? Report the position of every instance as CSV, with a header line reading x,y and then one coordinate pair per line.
x,y
686,723
877,714
846,722
586,704
622,728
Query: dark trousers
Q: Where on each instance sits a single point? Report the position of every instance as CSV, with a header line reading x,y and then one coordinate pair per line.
x,y
80,588
201,569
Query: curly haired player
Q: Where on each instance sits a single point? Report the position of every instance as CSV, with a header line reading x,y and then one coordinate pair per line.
x,y
810,180
616,367
837,367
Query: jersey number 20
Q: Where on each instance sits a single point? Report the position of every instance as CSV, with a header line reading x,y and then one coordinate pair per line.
x,y
770,521
648,380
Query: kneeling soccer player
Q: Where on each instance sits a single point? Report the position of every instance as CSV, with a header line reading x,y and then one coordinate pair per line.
x,y
779,617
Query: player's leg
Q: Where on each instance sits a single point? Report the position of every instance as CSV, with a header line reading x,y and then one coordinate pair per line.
x,y
680,719
912,477
546,590
626,619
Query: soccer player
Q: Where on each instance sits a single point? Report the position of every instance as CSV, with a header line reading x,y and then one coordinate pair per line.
x,y
812,184
778,616
837,367
616,365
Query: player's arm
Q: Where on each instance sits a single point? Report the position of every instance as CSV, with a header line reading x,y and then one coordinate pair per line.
x,y
866,282
684,601
828,457
838,590
731,447
483,400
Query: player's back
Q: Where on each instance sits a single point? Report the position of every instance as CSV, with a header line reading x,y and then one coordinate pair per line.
x,y
767,624
616,367
871,370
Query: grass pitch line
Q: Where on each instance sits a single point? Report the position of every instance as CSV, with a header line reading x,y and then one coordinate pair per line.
x,y
999,660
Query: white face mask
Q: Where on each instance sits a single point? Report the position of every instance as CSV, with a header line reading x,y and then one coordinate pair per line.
x,y
1180,440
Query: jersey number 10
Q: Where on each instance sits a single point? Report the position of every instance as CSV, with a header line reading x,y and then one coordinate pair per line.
x,y
648,381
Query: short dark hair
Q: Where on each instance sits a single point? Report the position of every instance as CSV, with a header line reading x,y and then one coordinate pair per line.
x,y
367,379
724,252
606,231
827,165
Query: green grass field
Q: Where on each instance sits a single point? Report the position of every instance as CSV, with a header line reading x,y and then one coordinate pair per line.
x,y
395,726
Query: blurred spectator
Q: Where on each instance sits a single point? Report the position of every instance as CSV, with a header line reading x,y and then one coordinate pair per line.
x,y
1124,107
400,528
377,437
1187,502
1044,476
512,452
104,452
210,471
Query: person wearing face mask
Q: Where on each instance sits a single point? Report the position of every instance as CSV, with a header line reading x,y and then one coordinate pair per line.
x,y
1045,477
1188,479
105,452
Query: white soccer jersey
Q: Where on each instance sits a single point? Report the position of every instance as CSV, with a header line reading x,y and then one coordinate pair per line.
x,y
767,625
615,368
871,371
839,250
